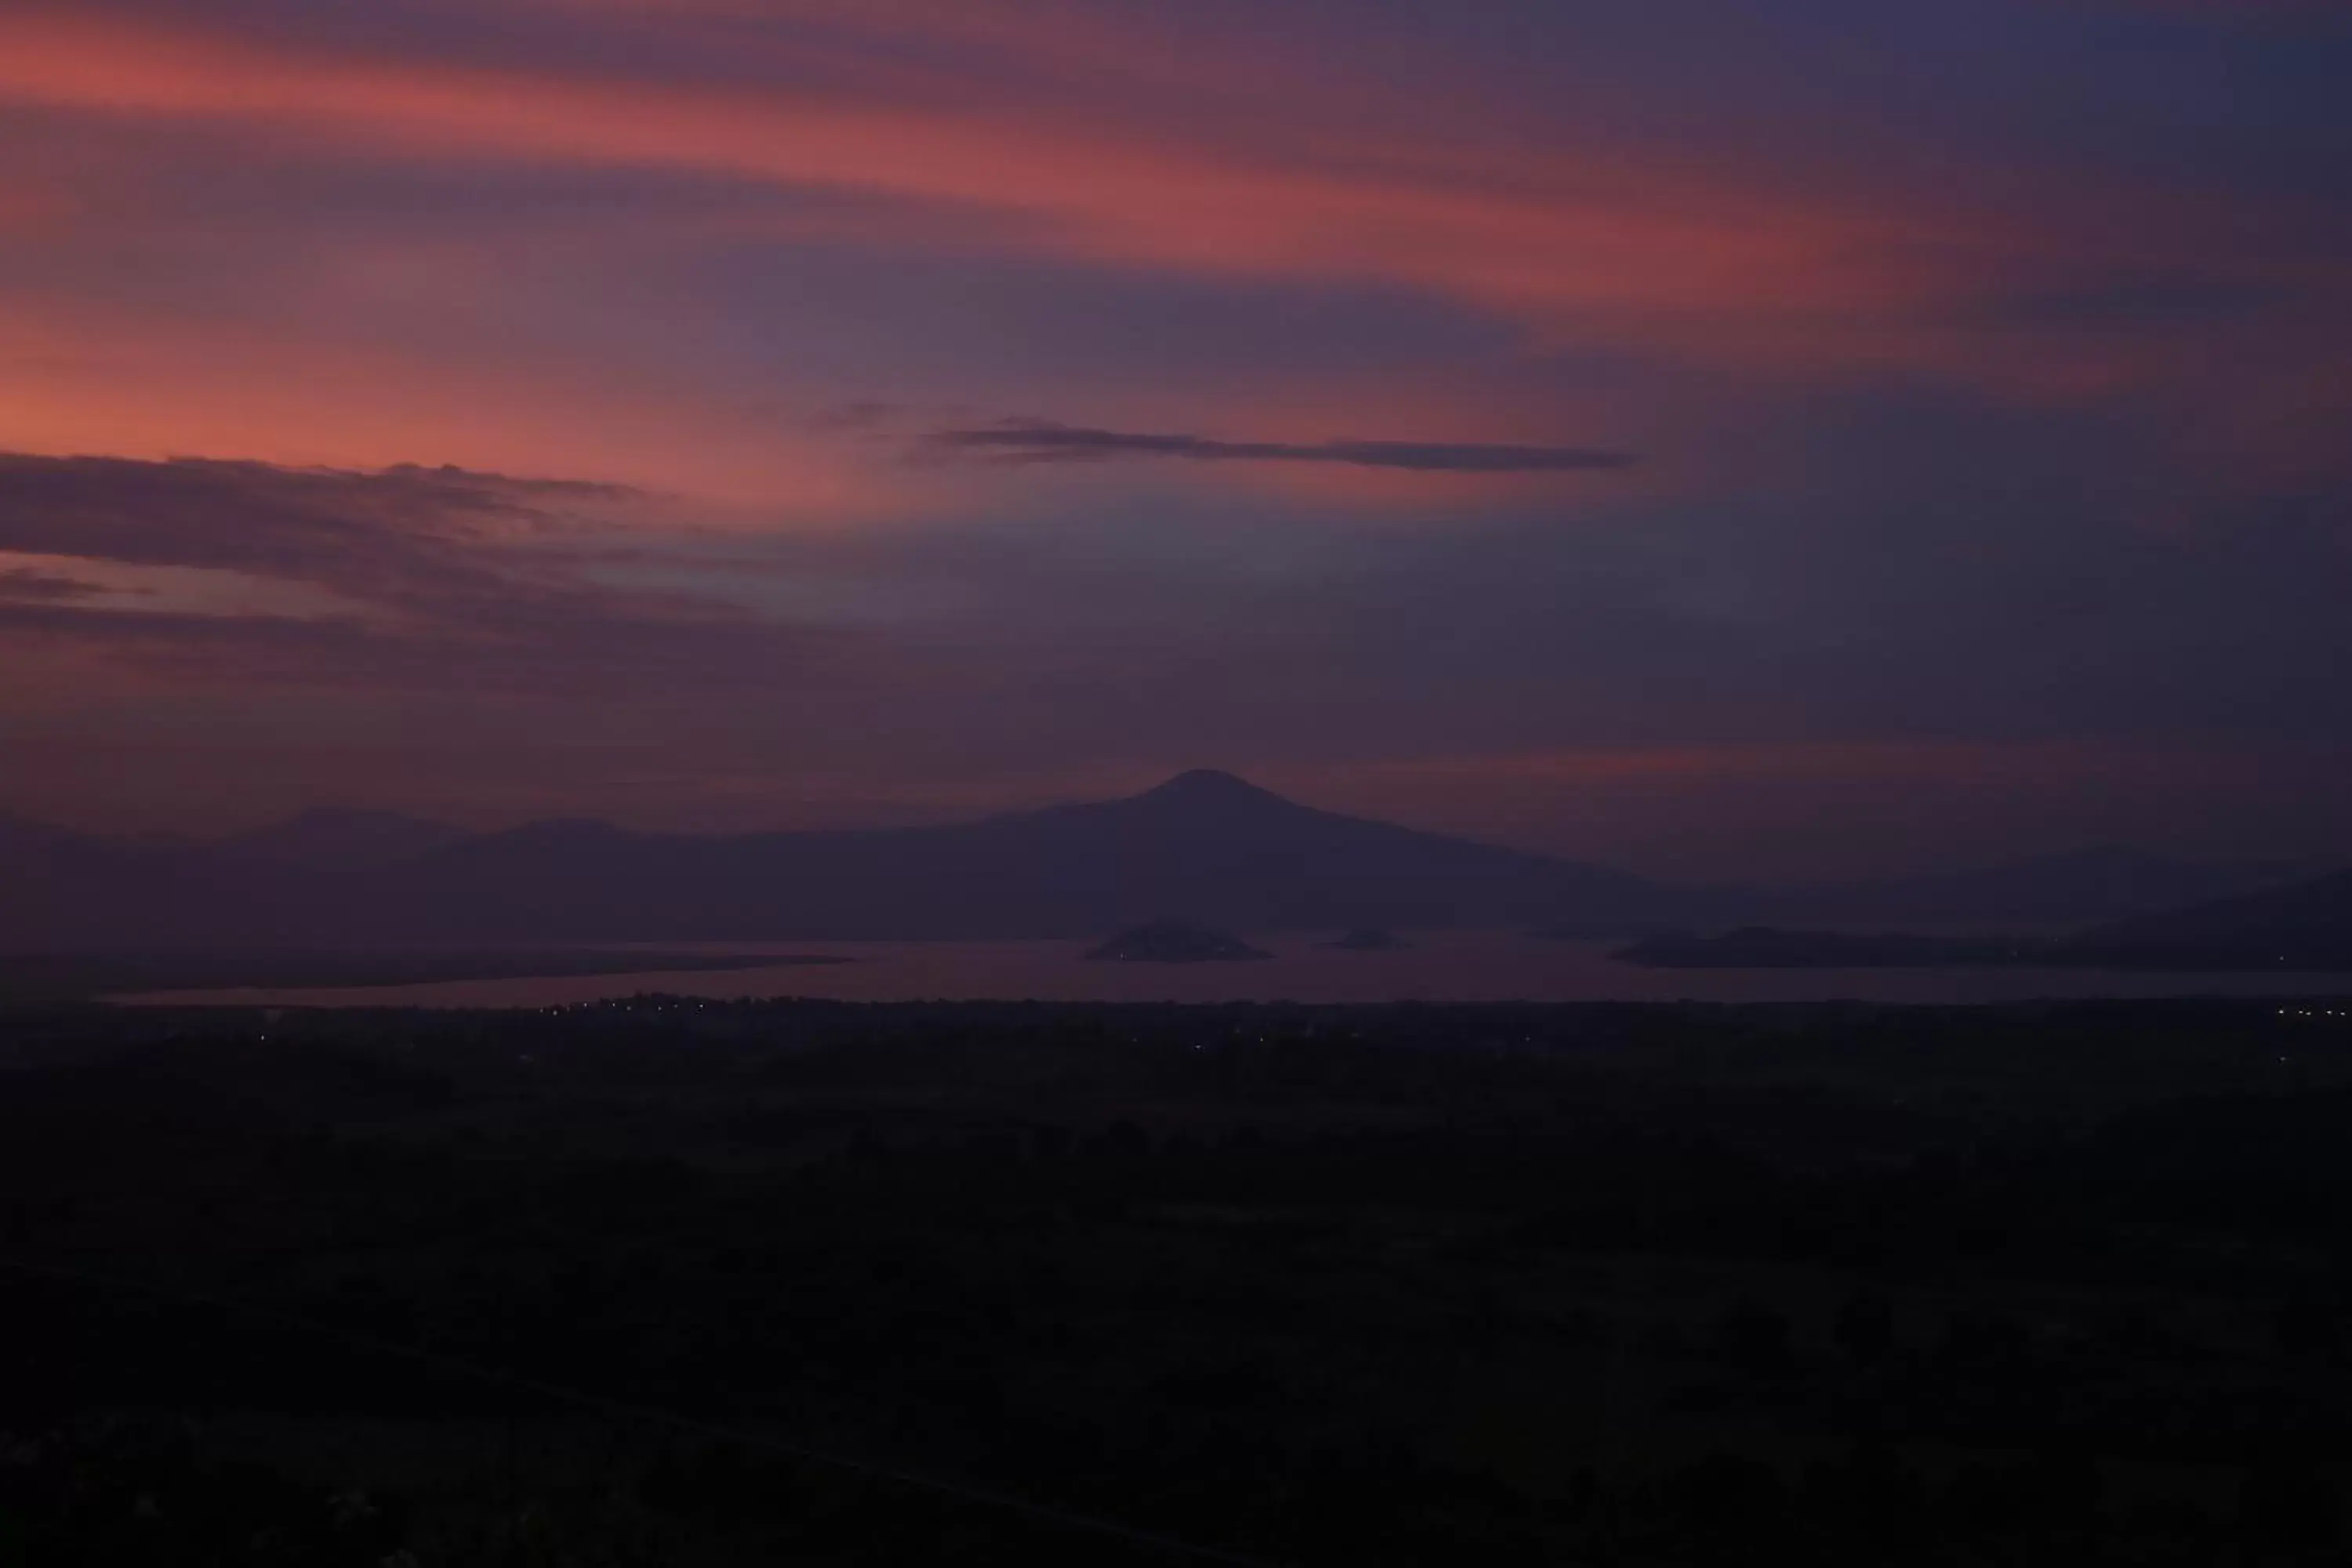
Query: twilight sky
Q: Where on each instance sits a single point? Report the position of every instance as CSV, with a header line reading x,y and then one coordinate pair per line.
x,y
1719,439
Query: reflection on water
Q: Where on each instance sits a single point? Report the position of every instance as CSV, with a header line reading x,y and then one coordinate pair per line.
x,y
1438,967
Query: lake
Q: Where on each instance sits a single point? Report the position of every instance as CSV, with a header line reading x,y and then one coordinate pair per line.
x,y
1438,967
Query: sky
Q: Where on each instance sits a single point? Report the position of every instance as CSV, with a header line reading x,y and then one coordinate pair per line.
x,y
1724,440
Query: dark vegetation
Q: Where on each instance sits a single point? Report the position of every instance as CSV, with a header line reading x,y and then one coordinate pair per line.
x,y
1598,1284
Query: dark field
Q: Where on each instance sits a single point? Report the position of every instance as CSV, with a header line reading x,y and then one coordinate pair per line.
x,y
668,1281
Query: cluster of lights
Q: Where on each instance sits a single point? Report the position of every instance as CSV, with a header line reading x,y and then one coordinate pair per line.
x,y
2314,1012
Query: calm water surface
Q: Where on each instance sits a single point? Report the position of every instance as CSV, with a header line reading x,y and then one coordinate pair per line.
x,y
1443,967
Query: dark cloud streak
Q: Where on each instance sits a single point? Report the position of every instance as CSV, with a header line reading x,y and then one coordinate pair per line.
x,y
428,538
22,585
1044,441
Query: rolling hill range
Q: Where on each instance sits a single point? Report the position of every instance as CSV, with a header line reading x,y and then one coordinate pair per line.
x,y
2079,887
2304,925
1204,845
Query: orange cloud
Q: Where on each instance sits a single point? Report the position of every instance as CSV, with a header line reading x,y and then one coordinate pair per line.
x,y
1759,273
98,382
1565,242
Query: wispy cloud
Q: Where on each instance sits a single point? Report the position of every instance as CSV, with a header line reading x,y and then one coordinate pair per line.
x,y
1043,441
21,583
1956,382
401,531
1547,238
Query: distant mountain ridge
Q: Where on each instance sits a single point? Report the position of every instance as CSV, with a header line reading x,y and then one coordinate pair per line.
x,y
1204,847
2081,887
2306,924
325,836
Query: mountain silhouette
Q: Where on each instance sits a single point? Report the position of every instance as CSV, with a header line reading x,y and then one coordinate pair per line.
x,y
1212,846
2305,924
2104,882
20,835
330,838
1206,846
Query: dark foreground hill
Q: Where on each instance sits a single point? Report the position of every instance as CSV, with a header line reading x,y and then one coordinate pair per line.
x,y
1207,845
713,1284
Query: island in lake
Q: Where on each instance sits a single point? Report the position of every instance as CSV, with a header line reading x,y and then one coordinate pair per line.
x,y
1173,942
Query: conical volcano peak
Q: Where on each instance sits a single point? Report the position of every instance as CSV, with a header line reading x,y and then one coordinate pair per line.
x,y
1209,786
